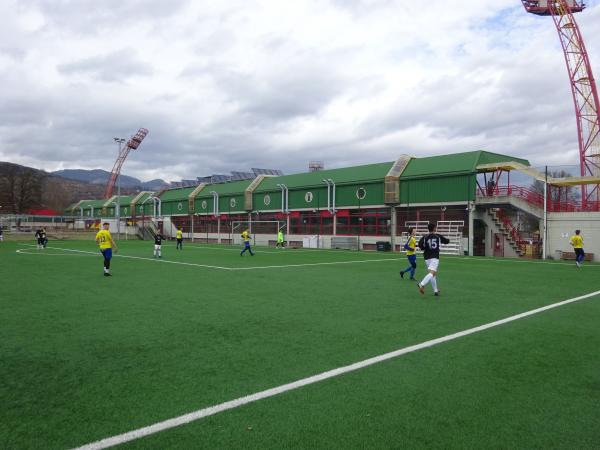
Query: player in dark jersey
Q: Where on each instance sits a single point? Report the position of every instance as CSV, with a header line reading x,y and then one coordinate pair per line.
x,y
430,244
40,235
158,238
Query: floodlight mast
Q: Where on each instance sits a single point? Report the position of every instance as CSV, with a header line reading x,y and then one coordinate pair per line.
x,y
583,85
132,144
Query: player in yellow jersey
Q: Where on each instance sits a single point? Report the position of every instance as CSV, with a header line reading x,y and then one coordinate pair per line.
x,y
179,237
246,239
106,244
411,248
577,243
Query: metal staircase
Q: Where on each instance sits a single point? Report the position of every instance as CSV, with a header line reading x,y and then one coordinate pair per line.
x,y
503,223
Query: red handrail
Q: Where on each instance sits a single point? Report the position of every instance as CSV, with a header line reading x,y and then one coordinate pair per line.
x,y
537,199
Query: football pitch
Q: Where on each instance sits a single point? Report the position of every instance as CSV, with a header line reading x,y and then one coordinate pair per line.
x,y
85,357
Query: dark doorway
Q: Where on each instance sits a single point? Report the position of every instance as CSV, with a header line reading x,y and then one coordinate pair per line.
x,y
479,237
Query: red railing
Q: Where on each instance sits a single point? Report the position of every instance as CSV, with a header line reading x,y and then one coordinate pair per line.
x,y
536,199
531,197
512,230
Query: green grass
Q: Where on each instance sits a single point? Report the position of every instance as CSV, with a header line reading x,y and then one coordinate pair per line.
x,y
84,357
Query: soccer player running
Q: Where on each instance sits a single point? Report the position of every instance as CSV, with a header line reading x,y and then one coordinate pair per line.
x,y
40,235
158,238
577,243
246,238
179,237
411,248
106,244
430,244
279,239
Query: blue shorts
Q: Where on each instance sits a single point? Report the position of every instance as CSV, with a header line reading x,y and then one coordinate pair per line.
x,y
412,259
106,252
247,243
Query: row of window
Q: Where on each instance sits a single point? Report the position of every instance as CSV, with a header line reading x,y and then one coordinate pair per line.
x,y
367,222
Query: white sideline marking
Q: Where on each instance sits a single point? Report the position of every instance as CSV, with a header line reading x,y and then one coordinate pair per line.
x,y
271,252
30,251
212,410
227,268
318,264
142,258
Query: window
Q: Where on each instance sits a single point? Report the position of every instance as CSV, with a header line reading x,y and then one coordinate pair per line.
x,y
365,222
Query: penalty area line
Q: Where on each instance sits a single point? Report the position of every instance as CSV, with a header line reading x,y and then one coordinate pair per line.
x,y
215,409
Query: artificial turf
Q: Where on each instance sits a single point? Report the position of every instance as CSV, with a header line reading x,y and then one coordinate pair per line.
x,y
85,357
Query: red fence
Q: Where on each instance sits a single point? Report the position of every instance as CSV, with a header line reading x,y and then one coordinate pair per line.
x,y
537,199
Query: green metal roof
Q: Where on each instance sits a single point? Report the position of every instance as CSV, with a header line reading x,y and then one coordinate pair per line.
x,y
92,204
233,188
457,163
357,174
124,200
176,194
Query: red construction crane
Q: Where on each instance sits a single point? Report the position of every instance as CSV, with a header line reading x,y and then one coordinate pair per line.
x,y
132,144
583,86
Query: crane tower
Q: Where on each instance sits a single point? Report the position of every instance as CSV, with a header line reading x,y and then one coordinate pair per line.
x,y
583,86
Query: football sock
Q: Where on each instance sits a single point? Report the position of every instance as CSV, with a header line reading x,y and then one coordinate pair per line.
x,y
434,284
427,279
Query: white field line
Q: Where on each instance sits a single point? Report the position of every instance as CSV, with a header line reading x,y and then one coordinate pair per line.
x,y
283,266
318,264
459,258
144,259
227,268
30,251
212,410
271,252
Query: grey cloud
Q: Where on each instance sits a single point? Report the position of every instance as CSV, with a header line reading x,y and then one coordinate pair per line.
x,y
117,66
283,95
92,17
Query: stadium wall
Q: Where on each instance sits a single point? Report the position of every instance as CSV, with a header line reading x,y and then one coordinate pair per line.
x,y
561,226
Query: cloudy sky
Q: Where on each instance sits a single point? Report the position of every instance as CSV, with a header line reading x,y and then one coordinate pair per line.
x,y
235,84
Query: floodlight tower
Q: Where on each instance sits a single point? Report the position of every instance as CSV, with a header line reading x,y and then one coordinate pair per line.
x,y
583,86
132,144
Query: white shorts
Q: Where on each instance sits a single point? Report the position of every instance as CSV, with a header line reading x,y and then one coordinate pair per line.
x,y
432,264
156,247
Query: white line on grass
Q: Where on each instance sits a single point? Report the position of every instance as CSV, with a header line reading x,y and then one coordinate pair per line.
x,y
30,251
144,259
212,410
229,268
283,266
286,250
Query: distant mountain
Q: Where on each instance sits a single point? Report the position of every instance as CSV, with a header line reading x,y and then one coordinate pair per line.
x,y
98,176
155,185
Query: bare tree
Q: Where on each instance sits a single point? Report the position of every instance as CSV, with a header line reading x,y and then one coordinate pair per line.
x,y
572,193
21,188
